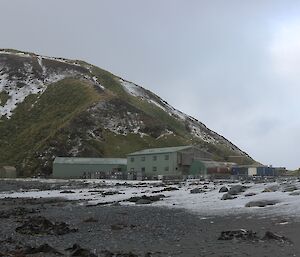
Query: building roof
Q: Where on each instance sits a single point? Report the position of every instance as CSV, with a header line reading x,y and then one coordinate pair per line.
x,y
253,166
161,150
82,160
212,164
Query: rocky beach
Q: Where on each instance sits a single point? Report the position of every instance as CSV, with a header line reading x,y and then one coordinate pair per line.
x,y
92,218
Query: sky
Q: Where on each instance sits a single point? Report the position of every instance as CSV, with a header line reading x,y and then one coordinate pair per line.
x,y
234,65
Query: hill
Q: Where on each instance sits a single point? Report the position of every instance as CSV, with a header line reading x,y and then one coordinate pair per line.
x,y
57,107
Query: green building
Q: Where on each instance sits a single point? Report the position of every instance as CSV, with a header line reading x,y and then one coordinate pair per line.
x,y
75,167
168,161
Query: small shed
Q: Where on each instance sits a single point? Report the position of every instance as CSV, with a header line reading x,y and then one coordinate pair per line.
x,y
197,169
8,172
95,168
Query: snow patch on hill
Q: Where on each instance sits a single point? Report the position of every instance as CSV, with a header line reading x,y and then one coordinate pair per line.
x,y
197,129
26,80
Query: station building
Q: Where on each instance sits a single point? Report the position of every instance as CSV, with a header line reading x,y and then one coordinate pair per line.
x,y
77,167
167,161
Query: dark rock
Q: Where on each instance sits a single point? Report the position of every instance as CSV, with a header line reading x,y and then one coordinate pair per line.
x,y
118,254
241,234
143,201
272,236
40,226
116,204
250,194
152,198
289,188
101,203
223,189
166,189
76,250
45,248
196,191
111,193
272,188
228,196
261,203
295,193
237,189
67,192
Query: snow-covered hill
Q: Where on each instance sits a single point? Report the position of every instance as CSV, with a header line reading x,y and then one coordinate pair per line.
x,y
111,116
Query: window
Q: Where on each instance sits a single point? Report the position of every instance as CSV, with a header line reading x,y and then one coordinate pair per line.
x,y
154,168
132,159
143,169
167,168
154,158
143,158
166,157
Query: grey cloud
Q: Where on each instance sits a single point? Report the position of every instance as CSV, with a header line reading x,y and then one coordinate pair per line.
x,y
211,59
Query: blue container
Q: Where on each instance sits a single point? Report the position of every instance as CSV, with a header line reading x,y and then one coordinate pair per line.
x,y
265,171
238,171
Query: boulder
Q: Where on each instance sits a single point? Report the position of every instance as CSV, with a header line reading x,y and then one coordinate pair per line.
x,y
272,188
67,192
111,193
151,198
237,189
289,188
261,203
196,191
228,196
166,189
295,193
272,236
223,189
250,194
143,201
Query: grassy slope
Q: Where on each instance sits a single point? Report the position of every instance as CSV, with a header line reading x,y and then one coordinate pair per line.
x,y
160,118
61,110
34,123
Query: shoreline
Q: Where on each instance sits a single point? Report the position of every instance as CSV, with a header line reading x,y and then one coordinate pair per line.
x,y
131,230
147,231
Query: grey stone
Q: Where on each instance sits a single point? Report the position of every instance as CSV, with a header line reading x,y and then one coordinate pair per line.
x,y
196,191
228,196
250,194
223,189
272,188
289,188
261,203
143,201
237,189
295,193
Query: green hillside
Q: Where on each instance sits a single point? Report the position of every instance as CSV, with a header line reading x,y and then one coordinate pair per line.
x,y
88,112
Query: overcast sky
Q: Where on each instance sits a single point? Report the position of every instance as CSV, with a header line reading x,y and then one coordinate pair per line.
x,y
234,65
